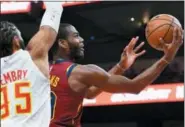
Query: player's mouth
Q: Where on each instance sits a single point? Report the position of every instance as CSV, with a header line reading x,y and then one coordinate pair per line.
x,y
82,47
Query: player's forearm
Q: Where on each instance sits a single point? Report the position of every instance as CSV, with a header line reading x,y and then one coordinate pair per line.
x,y
51,20
148,76
117,83
47,34
94,91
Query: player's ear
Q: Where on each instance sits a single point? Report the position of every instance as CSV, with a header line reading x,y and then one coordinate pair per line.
x,y
63,43
16,43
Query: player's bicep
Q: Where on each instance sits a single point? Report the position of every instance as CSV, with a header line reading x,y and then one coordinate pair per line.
x,y
103,80
90,74
41,42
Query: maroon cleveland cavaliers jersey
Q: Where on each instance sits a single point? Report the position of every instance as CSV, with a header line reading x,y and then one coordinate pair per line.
x,y
65,103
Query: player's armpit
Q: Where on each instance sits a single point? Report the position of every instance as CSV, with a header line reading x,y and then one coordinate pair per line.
x,y
41,42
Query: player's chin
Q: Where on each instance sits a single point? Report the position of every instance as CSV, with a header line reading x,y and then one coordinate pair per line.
x,y
81,54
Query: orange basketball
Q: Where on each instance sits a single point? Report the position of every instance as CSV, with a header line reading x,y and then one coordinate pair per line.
x,y
161,26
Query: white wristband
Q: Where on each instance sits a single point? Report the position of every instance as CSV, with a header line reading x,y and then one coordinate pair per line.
x,y
52,17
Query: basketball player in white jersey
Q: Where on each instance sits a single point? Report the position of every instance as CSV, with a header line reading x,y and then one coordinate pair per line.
x,y
25,89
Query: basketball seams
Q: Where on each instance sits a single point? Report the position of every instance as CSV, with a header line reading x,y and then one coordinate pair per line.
x,y
170,25
165,20
157,28
168,29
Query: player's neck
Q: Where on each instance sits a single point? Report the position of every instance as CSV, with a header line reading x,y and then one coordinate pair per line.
x,y
61,56
15,50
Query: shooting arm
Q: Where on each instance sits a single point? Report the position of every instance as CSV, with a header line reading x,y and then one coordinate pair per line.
x,y
116,83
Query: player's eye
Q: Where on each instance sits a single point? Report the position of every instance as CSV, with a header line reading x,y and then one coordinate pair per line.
x,y
76,35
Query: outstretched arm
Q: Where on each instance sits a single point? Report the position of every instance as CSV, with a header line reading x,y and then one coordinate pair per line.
x,y
91,74
128,57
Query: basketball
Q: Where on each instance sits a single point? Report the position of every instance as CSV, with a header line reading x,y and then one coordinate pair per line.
x,y
161,26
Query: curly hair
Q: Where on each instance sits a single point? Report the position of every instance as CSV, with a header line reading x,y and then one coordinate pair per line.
x,y
7,32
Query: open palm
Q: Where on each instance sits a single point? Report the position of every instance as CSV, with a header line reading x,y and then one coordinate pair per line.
x,y
130,54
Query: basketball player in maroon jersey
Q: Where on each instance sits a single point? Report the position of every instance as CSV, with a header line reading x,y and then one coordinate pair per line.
x,y
71,82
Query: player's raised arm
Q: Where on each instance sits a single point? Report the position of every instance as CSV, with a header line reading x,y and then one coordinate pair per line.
x,y
42,41
91,74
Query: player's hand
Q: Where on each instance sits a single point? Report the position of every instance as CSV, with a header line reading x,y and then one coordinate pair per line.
x,y
170,50
130,53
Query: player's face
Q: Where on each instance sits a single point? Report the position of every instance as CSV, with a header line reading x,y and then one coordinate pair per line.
x,y
76,44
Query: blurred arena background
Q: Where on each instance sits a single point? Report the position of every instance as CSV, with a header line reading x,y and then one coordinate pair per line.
x,y
107,27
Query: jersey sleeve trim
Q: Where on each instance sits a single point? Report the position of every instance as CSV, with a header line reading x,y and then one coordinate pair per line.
x,y
69,69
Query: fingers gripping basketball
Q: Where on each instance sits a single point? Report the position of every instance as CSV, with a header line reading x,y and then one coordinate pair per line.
x,y
161,26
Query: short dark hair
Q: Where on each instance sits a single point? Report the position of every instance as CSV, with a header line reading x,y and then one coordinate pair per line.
x,y
62,34
7,32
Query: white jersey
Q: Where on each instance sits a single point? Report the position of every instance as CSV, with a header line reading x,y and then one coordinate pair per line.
x,y
25,92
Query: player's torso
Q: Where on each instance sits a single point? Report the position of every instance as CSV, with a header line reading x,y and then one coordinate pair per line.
x,y
66,104
25,93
